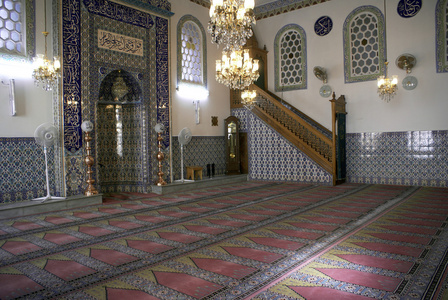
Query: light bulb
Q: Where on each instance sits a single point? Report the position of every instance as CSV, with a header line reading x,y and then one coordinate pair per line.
x,y
249,4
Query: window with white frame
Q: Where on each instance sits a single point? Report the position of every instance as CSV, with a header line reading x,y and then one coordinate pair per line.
x,y
364,44
290,58
191,51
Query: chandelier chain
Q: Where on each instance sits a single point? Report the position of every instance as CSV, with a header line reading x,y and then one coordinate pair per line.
x,y
46,72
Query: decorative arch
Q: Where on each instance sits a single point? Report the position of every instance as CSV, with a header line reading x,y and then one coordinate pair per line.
x,y
364,44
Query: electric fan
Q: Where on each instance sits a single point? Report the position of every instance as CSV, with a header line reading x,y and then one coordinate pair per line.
x,y
184,139
46,135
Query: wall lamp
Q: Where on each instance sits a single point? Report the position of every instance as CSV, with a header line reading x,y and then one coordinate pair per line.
x,y
407,62
321,74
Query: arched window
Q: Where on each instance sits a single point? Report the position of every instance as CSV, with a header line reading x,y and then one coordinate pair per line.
x,y
442,36
17,28
364,44
290,58
191,52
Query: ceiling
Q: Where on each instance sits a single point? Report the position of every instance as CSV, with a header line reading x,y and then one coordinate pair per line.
x,y
268,8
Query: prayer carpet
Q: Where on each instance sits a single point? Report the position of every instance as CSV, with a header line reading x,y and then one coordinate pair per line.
x,y
252,240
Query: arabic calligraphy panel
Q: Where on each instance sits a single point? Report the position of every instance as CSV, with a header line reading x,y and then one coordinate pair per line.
x,y
409,8
323,26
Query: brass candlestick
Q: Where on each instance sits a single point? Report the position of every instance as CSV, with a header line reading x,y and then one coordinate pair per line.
x,y
160,157
87,127
159,128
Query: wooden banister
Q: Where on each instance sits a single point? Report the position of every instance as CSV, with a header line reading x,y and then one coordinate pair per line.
x,y
312,138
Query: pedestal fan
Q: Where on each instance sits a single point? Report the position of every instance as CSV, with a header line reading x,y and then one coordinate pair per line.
x,y
184,139
46,135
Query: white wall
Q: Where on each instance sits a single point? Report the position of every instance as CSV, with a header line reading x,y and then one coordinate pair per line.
x,y
424,108
421,109
33,105
218,101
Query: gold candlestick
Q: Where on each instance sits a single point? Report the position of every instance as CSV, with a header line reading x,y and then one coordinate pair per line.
x,y
87,127
159,128
160,157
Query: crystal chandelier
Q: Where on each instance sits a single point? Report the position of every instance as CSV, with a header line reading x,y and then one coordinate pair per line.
x,y
387,87
248,98
237,70
230,22
46,72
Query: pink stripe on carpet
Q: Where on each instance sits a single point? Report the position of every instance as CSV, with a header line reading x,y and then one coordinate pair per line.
x,y
401,238
57,220
378,262
296,233
362,278
187,284
19,247
205,229
179,237
328,220
148,246
260,255
247,217
223,267
411,229
228,222
112,257
418,222
402,250
60,238
424,216
68,269
273,242
323,293
151,219
323,227
14,286
122,294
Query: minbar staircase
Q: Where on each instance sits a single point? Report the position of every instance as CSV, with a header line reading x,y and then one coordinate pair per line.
x,y
325,147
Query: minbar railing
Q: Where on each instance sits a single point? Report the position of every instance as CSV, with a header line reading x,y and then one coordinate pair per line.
x,y
326,148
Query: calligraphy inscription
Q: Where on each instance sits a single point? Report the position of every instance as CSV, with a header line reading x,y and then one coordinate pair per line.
x,y
121,43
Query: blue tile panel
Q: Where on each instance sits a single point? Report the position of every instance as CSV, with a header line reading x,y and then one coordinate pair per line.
x,y
200,151
272,157
22,170
402,158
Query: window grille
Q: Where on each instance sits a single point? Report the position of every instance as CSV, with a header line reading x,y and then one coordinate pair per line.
x,y
191,51
290,58
364,44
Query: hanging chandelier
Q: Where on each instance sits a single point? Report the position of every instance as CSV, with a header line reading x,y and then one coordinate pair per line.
x,y
248,98
46,72
230,22
387,87
237,70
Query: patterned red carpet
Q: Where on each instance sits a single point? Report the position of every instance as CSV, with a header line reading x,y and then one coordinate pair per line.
x,y
253,240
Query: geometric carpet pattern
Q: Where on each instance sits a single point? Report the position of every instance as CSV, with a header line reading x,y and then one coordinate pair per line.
x,y
251,240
